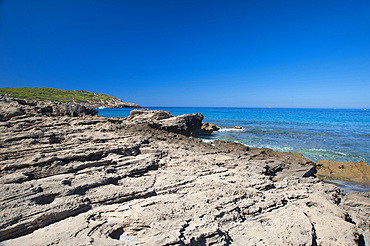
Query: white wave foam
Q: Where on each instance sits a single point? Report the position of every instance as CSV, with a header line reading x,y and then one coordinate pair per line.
x,y
230,130
210,141
325,150
285,149
277,148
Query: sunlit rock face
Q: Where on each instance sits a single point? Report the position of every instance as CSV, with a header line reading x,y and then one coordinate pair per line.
x,y
89,180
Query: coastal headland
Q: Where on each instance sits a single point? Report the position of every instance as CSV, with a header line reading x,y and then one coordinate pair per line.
x,y
70,177
85,98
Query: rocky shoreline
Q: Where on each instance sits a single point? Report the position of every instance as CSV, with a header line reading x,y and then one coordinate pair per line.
x,y
110,104
70,177
52,95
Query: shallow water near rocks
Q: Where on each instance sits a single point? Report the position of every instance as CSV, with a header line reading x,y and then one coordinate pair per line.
x,y
350,186
319,134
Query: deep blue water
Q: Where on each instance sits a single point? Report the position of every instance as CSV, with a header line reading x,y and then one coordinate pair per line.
x,y
319,134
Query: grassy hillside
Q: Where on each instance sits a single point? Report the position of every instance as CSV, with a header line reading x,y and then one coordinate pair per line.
x,y
50,94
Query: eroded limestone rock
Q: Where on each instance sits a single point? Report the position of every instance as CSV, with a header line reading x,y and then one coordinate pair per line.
x,y
348,171
11,107
94,181
208,128
187,124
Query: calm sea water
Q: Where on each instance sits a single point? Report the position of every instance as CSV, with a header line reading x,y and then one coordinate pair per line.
x,y
319,134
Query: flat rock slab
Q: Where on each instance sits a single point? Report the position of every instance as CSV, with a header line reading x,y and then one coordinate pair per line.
x,y
348,171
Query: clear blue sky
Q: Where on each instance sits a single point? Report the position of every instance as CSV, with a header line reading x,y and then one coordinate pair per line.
x,y
293,53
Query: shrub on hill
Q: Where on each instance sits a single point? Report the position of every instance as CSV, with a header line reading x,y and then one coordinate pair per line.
x,y
51,94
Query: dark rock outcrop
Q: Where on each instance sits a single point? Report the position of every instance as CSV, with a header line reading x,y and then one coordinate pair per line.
x,y
208,128
188,124
11,107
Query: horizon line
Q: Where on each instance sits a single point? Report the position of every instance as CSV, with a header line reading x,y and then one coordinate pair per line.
x,y
358,108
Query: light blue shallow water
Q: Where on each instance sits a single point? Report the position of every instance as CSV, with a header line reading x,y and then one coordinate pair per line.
x,y
319,134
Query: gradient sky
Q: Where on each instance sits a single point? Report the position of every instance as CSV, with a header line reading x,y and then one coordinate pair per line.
x,y
292,53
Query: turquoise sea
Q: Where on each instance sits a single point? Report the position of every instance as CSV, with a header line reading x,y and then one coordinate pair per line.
x,y
319,134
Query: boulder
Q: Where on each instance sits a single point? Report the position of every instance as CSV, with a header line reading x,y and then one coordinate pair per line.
x,y
187,124
146,115
208,128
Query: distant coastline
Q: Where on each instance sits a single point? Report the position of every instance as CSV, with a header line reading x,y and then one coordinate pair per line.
x,y
86,98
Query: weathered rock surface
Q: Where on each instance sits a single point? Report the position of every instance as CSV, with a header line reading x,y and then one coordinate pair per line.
x,y
229,146
11,107
208,128
91,181
117,103
284,164
187,124
347,171
357,205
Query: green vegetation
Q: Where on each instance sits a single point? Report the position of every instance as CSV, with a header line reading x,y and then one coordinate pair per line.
x,y
50,94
